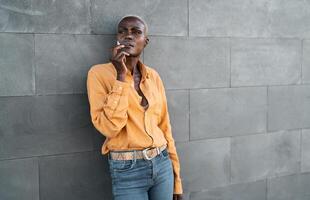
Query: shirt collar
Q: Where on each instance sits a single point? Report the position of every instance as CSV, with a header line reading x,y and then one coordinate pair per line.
x,y
143,70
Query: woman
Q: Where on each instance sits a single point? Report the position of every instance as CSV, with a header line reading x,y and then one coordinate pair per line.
x,y
128,106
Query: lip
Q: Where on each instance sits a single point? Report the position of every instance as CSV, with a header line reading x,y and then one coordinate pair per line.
x,y
127,47
129,44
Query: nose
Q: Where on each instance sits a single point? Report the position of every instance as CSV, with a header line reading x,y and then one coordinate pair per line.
x,y
129,35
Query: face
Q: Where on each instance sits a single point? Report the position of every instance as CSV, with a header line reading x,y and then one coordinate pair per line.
x,y
131,33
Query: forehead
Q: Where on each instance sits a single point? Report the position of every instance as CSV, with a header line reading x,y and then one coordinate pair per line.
x,y
131,22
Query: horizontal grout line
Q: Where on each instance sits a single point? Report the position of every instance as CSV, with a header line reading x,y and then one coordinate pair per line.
x,y
28,95
266,179
182,142
228,136
246,86
226,87
289,129
41,95
226,185
62,93
49,155
168,36
248,134
168,89
82,34
245,37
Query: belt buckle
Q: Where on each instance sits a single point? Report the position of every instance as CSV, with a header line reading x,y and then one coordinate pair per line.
x,y
146,156
144,153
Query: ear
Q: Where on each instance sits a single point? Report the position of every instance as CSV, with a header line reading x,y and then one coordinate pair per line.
x,y
146,41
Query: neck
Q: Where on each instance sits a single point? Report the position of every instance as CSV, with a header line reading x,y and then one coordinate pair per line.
x,y
131,63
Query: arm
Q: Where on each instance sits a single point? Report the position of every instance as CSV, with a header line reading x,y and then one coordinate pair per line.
x,y
108,108
165,126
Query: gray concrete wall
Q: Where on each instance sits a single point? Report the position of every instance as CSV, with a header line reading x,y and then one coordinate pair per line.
x,y
237,75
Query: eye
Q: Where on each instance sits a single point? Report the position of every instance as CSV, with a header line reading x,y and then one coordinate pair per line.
x,y
120,31
137,32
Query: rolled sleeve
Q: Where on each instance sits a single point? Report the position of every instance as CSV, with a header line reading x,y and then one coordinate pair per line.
x,y
108,107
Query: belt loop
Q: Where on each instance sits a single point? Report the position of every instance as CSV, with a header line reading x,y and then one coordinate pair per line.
x,y
161,154
134,155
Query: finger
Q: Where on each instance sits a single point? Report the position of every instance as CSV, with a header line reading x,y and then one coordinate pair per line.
x,y
119,46
120,54
123,59
116,48
120,58
124,52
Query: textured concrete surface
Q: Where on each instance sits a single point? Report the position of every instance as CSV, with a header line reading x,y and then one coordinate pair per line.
x,y
244,191
163,17
288,107
56,74
242,18
178,106
293,187
76,176
69,16
306,61
16,64
265,62
19,179
305,149
264,155
43,125
189,63
207,163
236,74
227,112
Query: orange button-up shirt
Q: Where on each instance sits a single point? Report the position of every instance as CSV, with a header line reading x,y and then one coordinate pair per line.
x,y
116,112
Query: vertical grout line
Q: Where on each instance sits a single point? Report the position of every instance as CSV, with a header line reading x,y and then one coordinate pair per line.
x,y
230,156
267,183
91,16
34,66
300,151
230,61
189,114
188,18
267,107
39,182
301,61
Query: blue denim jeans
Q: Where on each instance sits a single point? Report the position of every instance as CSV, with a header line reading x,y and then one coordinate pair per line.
x,y
141,179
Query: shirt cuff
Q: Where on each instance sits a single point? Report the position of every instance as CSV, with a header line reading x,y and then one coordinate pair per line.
x,y
177,187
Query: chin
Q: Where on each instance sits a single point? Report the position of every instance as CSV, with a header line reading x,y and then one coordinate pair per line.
x,y
133,54
128,51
